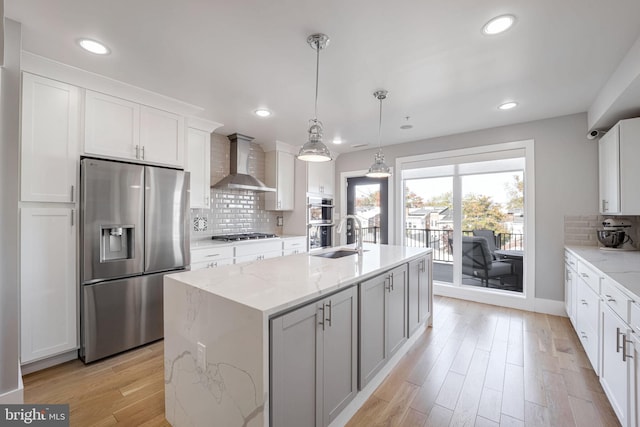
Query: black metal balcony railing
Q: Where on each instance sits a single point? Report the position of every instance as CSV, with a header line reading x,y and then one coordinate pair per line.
x,y
438,240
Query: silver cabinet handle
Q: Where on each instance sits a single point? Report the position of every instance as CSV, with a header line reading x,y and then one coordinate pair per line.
x,y
604,205
321,322
329,312
610,298
583,335
625,356
392,282
137,151
73,193
206,200
584,302
387,283
211,255
618,340
584,275
72,220
142,151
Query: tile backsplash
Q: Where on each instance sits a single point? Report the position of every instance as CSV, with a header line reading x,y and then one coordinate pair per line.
x,y
233,211
581,229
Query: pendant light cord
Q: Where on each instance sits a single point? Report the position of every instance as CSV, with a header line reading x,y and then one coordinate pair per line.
x,y
315,117
380,127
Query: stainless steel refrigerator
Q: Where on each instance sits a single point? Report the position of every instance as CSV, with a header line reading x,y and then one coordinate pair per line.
x,y
133,231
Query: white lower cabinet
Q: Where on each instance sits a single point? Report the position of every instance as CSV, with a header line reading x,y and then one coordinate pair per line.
x,y
294,245
313,361
617,363
634,417
48,288
383,321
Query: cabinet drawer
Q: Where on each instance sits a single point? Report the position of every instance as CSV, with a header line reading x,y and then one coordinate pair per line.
x,y
258,257
635,318
589,339
211,264
211,254
299,243
588,307
250,248
570,260
616,299
590,276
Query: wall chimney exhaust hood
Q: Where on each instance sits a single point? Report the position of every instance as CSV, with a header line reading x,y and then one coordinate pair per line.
x,y
239,178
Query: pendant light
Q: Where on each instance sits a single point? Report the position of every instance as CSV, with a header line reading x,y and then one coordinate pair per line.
x,y
379,168
314,149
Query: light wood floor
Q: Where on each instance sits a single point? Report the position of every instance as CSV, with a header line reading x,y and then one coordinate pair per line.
x,y
479,365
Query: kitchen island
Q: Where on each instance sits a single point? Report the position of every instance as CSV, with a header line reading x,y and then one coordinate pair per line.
x,y
226,346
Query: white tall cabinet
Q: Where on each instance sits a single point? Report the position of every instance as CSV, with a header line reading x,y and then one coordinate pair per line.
x,y
48,291
321,178
49,147
49,163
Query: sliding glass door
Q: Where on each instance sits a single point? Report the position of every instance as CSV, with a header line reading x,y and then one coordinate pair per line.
x,y
471,211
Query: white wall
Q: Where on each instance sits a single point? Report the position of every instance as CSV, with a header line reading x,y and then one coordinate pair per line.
x,y
9,159
566,180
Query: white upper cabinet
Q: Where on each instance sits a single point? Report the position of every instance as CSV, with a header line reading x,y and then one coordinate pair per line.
x,y
198,160
279,167
48,288
320,177
112,126
161,137
199,164
619,175
49,142
115,127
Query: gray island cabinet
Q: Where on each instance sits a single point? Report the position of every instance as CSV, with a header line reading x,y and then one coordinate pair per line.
x,y
285,341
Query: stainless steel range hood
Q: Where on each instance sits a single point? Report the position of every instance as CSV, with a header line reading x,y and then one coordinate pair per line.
x,y
239,178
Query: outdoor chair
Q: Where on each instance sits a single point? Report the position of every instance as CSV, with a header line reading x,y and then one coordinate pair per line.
x,y
477,261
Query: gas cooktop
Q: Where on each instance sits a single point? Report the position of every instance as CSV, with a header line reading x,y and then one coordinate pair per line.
x,y
243,236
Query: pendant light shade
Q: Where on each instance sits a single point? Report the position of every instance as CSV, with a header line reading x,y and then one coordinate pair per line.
x,y
314,149
379,169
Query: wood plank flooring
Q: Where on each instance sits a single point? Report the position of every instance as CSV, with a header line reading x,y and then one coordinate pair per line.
x,y
479,365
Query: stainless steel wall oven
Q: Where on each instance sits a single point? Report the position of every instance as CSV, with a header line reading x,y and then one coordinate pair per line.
x,y
320,222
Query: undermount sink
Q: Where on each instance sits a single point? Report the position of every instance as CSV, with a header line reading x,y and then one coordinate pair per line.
x,y
337,253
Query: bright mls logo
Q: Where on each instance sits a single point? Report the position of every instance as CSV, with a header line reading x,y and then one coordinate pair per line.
x,y
34,415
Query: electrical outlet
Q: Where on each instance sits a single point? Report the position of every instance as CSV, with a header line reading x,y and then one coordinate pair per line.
x,y
202,356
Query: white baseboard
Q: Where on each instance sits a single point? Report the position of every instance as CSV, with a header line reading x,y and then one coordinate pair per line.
x,y
550,306
502,299
16,396
39,365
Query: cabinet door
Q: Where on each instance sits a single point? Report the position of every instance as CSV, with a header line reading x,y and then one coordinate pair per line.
x,y
199,164
615,372
161,137
339,353
396,311
415,267
293,368
48,290
372,326
609,171
320,177
285,180
279,175
635,382
112,126
49,143
424,289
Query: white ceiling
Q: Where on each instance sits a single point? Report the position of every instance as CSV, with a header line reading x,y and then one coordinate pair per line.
x,y
232,57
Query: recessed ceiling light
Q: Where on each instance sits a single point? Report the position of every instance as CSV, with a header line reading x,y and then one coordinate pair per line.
x,y
337,141
93,46
498,24
262,112
507,105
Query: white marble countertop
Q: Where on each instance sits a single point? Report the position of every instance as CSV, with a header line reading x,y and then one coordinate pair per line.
x,y
273,285
621,266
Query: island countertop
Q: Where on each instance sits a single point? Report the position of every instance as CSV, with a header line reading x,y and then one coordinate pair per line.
x,y
273,285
